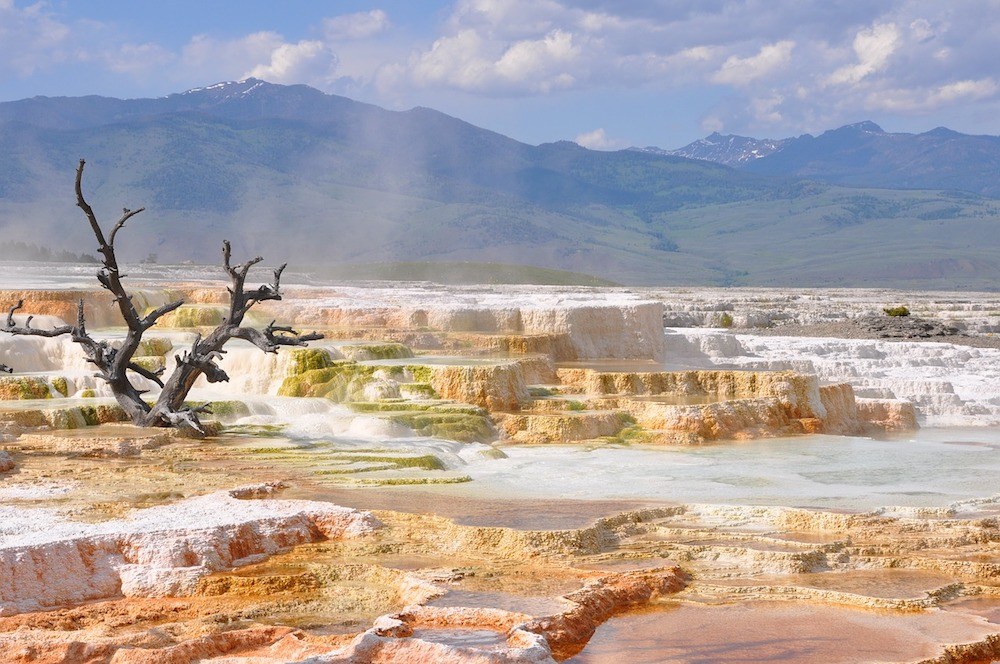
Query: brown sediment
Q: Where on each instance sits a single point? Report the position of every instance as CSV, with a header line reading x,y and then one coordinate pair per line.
x,y
108,441
783,548
542,580
64,303
768,631
325,598
569,632
314,581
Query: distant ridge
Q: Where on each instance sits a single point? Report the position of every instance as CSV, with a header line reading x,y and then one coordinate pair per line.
x,y
730,149
297,175
460,273
863,154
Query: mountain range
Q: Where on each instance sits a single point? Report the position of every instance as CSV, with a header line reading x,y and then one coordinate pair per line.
x,y
863,155
325,182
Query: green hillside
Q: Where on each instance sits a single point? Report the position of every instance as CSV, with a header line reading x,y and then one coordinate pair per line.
x,y
318,180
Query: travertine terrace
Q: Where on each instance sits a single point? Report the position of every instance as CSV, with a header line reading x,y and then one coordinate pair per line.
x,y
512,474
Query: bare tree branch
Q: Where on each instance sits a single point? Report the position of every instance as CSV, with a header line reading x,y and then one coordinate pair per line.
x,y
146,373
114,363
13,328
87,210
151,318
126,215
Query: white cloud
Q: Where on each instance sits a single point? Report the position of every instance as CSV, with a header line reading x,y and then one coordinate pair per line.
x,y
981,89
303,62
508,19
138,59
263,55
921,29
529,59
873,47
456,60
469,62
712,123
928,99
798,66
742,71
31,39
227,59
360,25
767,110
599,140
528,47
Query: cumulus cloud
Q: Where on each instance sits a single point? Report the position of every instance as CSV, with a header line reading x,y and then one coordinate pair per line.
x,y
525,47
873,46
36,38
264,55
453,60
31,39
744,71
921,29
527,59
302,62
767,110
929,99
468,61
226,59
509,19
798,66
599,140
360,25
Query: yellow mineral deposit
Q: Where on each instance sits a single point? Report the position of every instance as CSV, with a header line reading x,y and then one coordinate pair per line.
x,y
516,475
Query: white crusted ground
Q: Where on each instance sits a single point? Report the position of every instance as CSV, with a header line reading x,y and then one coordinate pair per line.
x,y
47,561
950,385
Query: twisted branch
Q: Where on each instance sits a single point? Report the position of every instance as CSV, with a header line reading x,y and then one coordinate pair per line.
x,y
114,363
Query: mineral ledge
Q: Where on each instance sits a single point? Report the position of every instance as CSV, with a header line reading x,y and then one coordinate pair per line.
x,y
446,419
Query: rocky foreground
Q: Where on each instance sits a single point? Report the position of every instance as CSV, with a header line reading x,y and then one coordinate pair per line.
x,y
124,545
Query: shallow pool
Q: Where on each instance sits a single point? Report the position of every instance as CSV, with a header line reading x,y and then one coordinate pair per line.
x,y
931,468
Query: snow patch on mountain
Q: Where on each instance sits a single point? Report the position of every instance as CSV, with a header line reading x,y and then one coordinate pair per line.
x,y
729,149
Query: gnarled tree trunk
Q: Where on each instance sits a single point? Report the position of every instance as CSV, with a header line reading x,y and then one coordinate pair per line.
x,y
114,363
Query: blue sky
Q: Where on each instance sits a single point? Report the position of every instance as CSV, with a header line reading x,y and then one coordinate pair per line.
x,y
606,74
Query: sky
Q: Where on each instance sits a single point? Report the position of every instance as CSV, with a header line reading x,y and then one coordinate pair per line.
x,y
606,74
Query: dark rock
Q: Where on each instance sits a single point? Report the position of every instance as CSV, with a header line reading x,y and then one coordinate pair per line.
x,y
905,327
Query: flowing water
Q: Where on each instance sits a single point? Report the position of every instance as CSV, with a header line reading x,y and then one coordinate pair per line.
x,y
937,472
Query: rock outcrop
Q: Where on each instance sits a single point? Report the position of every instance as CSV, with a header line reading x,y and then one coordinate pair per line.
x,y
535,428
905,327
797,393
600,325
888,414
948,384
491,386
699,406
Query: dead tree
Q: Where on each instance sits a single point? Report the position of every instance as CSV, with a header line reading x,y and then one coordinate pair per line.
x,y
114,362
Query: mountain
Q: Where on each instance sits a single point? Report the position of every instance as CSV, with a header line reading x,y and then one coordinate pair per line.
x,y
320,180
730,150
864,155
